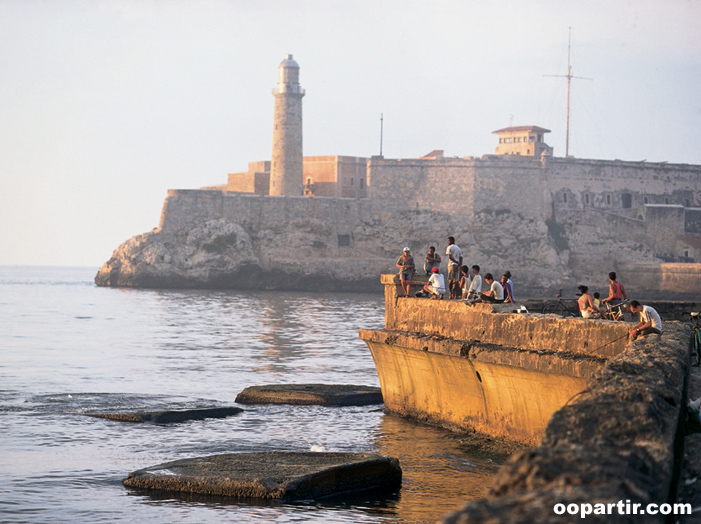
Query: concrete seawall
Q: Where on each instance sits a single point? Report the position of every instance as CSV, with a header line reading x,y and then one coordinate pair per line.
x,y
619,440
482,367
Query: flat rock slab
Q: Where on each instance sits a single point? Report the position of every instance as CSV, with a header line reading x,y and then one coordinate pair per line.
x,y
308,394
169,417
272,475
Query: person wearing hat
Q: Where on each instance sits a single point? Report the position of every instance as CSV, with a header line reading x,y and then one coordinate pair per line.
x,y
406,270
436,284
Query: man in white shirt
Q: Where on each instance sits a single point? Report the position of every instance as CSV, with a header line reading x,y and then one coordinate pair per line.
x,y
495,293
454,262
475,284
650,321
436,284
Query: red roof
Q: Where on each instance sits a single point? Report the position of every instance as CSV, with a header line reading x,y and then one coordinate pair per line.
x,y
436,153
692,240
516,129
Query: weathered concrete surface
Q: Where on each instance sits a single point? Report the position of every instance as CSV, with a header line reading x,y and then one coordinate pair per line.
x,y
475,391
169,417
273,475
618,440
482,367
690,481
456,320
307,394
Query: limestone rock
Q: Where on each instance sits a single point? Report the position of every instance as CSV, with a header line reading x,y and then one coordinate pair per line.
x,y
306,394
272,475
211,239
168,417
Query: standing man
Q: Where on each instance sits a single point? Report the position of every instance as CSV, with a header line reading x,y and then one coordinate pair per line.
x,y
650,321
617,292
406,270
433,259
454,262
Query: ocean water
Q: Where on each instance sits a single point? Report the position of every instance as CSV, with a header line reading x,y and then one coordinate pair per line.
x,y
69,348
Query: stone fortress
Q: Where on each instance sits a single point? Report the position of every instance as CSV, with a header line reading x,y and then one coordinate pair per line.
x,y
338,222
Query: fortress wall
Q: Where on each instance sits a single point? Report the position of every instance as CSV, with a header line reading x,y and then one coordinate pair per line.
x,y
510,182
439,184
665,279
183,207
603,179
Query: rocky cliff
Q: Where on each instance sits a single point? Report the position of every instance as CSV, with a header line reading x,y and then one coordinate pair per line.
x,y
212,239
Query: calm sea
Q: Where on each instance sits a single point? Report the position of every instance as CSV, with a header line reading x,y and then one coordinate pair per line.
x,y
69,347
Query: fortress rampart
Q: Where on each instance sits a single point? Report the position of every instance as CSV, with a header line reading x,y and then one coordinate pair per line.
x,y
541,187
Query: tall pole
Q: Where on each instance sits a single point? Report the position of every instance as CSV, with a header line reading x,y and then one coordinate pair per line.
x,y
569,81
569,77
381,130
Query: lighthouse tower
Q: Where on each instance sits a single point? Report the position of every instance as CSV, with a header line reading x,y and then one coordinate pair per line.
x,y
286,176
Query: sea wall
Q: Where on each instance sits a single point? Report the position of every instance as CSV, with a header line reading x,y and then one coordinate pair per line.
x,y
618,441
484,367
456,320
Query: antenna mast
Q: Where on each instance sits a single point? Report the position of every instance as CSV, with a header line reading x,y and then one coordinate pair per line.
x,y
381,131
569,77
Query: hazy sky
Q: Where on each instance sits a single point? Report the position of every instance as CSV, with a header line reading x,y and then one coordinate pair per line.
x,y
105,105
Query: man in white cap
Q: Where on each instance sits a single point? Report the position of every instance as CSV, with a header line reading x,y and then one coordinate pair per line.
x,y
406,270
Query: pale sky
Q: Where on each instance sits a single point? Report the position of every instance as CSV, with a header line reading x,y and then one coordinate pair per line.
x,y
105,105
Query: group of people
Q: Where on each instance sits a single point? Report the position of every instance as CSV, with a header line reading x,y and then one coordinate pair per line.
x,y
463,282
466,283
591,307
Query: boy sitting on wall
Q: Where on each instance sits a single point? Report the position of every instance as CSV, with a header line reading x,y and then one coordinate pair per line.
x,y
436,284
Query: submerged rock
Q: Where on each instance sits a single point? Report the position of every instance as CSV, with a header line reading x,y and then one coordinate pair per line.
x,y
309,394
169,417
272,475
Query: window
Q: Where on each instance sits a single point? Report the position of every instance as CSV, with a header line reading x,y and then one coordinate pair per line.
x,y
586,198
627,200
362,183
646,200
666,200
564,197
608,200
352,181
343,240
531,139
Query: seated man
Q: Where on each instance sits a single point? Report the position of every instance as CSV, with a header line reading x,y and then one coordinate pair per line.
x,y
433,259
495,293
475,284
650,321
436,284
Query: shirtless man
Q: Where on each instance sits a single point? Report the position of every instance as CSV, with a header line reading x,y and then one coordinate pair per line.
x,y
617,292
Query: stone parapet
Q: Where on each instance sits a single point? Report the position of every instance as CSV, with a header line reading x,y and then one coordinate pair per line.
x,y
456,320
618,440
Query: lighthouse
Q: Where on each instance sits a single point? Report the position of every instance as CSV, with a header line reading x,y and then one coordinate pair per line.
x,y
286,175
